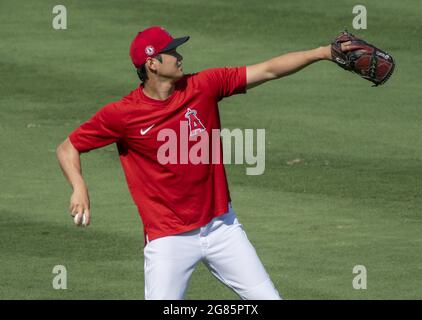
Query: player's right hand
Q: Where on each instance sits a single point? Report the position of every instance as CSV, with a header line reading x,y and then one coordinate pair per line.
x,y
79,206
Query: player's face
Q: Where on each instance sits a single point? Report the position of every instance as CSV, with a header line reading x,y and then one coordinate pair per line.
x,y
171,66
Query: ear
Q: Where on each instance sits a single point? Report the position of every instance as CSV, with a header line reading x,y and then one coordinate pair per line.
x,y
151,64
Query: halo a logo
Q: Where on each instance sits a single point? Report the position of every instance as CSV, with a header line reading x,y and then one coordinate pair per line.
x,y
195,125
149,50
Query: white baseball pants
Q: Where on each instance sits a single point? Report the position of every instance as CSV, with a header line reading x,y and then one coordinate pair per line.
x,y
222,245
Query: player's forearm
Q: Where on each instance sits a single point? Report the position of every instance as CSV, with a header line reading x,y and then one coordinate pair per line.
x,y
70,163
292,62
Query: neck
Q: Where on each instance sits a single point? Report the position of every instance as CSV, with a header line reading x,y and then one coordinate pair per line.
x,y
158,90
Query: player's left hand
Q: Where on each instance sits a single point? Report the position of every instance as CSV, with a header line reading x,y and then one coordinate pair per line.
x,y
363,58
345,46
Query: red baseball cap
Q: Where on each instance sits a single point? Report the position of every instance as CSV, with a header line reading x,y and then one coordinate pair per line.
x,y
152,41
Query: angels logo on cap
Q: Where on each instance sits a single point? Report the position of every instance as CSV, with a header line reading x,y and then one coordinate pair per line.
x,y
149,50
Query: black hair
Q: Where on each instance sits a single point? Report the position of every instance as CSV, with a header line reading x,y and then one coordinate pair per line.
x,y
142,70
142,73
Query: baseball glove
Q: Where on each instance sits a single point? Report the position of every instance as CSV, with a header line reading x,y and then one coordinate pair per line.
x,y
362,58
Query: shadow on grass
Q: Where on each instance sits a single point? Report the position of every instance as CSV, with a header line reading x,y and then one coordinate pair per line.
x,y
24,236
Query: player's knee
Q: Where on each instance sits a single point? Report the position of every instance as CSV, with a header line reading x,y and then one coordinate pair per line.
x,y
263,291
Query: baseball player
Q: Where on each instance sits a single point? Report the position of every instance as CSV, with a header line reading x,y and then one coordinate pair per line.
x,y
185,208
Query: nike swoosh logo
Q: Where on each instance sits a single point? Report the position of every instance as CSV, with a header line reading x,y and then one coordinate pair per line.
x,y
143,132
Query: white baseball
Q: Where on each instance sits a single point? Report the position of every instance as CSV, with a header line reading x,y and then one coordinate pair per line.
x,y
80,218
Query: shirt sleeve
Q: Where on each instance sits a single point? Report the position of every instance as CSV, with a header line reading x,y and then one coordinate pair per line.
x,y
223,82
105,127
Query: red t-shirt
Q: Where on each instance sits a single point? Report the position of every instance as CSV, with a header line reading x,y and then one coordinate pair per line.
x,y
173,197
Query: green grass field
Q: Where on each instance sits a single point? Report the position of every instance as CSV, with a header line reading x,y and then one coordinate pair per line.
x,y
354,198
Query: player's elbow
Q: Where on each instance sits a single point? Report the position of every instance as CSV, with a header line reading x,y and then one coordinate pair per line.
x,y
271,70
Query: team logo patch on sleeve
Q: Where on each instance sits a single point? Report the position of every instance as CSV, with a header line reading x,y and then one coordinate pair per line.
x,y
195,125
